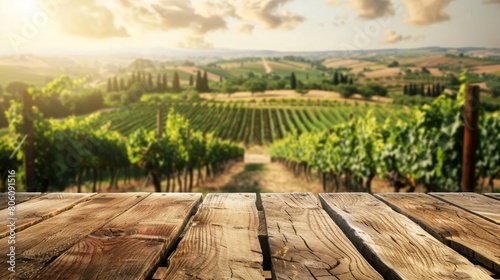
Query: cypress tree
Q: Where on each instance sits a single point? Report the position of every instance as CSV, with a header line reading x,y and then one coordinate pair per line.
x,y
198,85
405,90
429,90
115,84
122,84
422,89
110,86
176,86
150,80
165,82
159,87
293,81
336,78
439,90
205,82
351,81
191,80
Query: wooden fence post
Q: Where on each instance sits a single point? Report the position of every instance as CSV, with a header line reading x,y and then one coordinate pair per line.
x,y
159,122
471,137
29,147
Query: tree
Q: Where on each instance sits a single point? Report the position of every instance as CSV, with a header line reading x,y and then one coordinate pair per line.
x,y
347,91
229,88
393,64
336,78
176,85
115,84
198,85
425,71
293,81
159,86
351,81
429,91
255,85
422,89
191,80
165,83
122,84
150,81
205,82
110,85
405,90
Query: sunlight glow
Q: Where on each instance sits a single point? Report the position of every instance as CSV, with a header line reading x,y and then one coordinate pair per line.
x,y
23,7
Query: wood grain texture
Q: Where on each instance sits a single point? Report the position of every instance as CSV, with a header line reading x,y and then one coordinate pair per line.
x,y
130,246
37,209
465,232
20,198
306,244
39,244
483,206
222,241
394,244
493,195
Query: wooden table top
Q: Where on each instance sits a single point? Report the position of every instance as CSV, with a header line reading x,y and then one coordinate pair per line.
x,y
250,236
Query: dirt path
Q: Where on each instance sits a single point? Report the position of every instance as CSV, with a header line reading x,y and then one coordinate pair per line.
x,y
267,66
258,177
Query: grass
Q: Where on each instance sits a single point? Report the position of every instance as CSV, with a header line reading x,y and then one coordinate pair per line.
x,y
254,167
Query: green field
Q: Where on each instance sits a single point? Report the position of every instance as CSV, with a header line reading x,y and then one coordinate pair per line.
x,y
246,122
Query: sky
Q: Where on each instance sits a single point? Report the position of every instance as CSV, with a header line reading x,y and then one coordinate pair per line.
x,y
28,26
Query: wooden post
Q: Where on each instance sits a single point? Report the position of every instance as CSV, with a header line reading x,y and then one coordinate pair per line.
x,y
159,122
29,147
471,137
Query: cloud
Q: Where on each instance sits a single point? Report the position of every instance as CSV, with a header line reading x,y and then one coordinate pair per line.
x,y
114,18
171,14
87,19
371,9
426,12
333,2
269,13
195,42
245,28
394,38
418,37
340,20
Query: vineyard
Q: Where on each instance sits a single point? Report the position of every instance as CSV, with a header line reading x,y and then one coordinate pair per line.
x,y
425,150
249,123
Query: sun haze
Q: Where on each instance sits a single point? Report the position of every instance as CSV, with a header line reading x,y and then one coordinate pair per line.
x,y
30,26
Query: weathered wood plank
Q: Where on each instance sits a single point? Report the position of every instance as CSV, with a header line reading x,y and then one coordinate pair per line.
x,y
465,232
20,198
493,195
37,209
132,245
222,241
395,245
306,244
480,205
40,243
